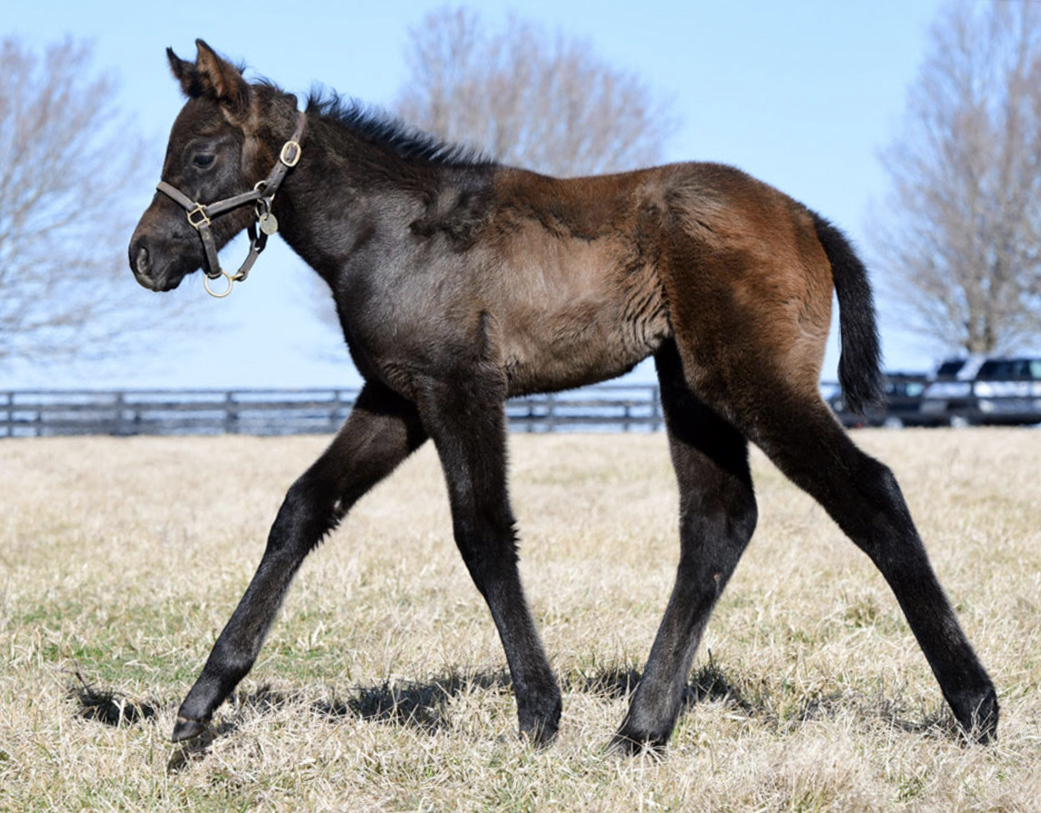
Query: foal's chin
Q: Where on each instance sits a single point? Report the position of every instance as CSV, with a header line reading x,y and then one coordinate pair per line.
x,y
161,283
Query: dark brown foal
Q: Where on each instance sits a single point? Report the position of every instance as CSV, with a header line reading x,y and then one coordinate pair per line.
x,y
459,282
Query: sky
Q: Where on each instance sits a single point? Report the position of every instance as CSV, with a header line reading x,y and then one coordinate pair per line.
x,y
804,95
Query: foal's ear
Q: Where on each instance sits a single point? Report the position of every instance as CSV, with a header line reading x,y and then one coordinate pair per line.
x,y
210,75
185,73
225,79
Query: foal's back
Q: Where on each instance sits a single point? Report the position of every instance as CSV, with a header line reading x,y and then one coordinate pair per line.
x,y
592,275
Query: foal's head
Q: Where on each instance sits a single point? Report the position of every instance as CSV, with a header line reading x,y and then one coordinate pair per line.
x,y
216,151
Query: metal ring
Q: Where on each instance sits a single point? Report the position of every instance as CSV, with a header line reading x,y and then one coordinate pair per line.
x,y
220,294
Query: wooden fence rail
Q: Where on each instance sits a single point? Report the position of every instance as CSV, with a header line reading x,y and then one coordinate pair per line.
x,y
42,413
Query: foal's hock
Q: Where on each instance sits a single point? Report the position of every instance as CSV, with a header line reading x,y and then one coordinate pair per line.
x,y
460,282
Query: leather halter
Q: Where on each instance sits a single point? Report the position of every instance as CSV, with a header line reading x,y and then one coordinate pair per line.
x,y
200,214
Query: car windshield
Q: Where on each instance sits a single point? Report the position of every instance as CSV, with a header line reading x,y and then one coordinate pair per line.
x,y
949,369
1010,369
995,369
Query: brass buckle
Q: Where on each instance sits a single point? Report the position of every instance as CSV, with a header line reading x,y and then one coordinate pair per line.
x,y
204,219
293,159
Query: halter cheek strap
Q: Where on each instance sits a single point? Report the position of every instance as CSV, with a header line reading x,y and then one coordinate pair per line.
x,y
263,194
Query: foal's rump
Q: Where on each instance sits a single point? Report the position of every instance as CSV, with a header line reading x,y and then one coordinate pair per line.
x,y
748,283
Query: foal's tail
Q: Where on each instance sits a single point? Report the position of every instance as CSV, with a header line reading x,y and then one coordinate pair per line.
x,y
860,363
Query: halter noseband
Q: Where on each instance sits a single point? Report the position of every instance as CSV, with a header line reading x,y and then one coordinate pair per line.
x,y
200,214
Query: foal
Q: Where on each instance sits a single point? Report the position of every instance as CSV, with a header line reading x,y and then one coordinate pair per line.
x,y
459,282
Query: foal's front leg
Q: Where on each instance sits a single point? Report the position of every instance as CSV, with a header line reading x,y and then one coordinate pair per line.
x,y
466,421
382,430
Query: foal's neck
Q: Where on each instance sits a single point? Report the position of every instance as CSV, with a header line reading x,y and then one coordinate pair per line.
x,y
324,205
349,185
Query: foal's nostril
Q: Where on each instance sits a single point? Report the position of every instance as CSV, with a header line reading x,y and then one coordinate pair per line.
x,y
142,263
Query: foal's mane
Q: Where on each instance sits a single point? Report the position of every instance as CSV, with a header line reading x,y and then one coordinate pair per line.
x,y
379,127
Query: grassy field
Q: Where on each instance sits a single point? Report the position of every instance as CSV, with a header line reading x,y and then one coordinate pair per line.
x,y
382,686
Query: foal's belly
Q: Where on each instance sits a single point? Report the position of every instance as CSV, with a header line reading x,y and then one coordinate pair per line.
x,y
573,344
570,312
549,369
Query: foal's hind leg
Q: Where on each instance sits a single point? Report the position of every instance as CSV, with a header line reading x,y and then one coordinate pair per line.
x,y
466,421
802,437
717,517
382,430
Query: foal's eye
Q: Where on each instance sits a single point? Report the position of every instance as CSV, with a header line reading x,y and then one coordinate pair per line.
x,y
203,160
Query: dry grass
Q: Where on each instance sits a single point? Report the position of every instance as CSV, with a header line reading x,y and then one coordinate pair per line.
x,y
382,685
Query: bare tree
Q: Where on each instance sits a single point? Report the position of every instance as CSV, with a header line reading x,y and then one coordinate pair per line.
x,y
66,160
961,237
527,98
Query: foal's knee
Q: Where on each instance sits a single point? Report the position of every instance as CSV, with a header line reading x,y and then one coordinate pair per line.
x,y
488,545
742,521
876,481
879,514
731,519
713,541
306,515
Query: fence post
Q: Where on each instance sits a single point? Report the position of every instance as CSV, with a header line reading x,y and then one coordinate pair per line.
x,y
117,406
231,414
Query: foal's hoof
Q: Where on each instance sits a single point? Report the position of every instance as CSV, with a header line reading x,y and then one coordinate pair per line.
x,y
185,729
627,745
979,720
540,720
540,734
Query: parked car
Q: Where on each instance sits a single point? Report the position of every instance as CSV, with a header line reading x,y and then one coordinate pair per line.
x,y
902,407
976,390
1008,391
948,400
982,390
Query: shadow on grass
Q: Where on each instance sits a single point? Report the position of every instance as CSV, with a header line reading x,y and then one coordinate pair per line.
x,y
422,705
708,683
778,706
108,707
426,705
876,708
415,704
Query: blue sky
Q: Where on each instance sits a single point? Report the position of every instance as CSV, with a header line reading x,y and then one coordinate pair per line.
x,y
803,95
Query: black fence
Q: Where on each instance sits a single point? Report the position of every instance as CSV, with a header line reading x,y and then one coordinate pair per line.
x,y
44,413
911,401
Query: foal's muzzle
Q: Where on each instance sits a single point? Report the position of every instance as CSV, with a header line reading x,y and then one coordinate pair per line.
x,y
145,254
